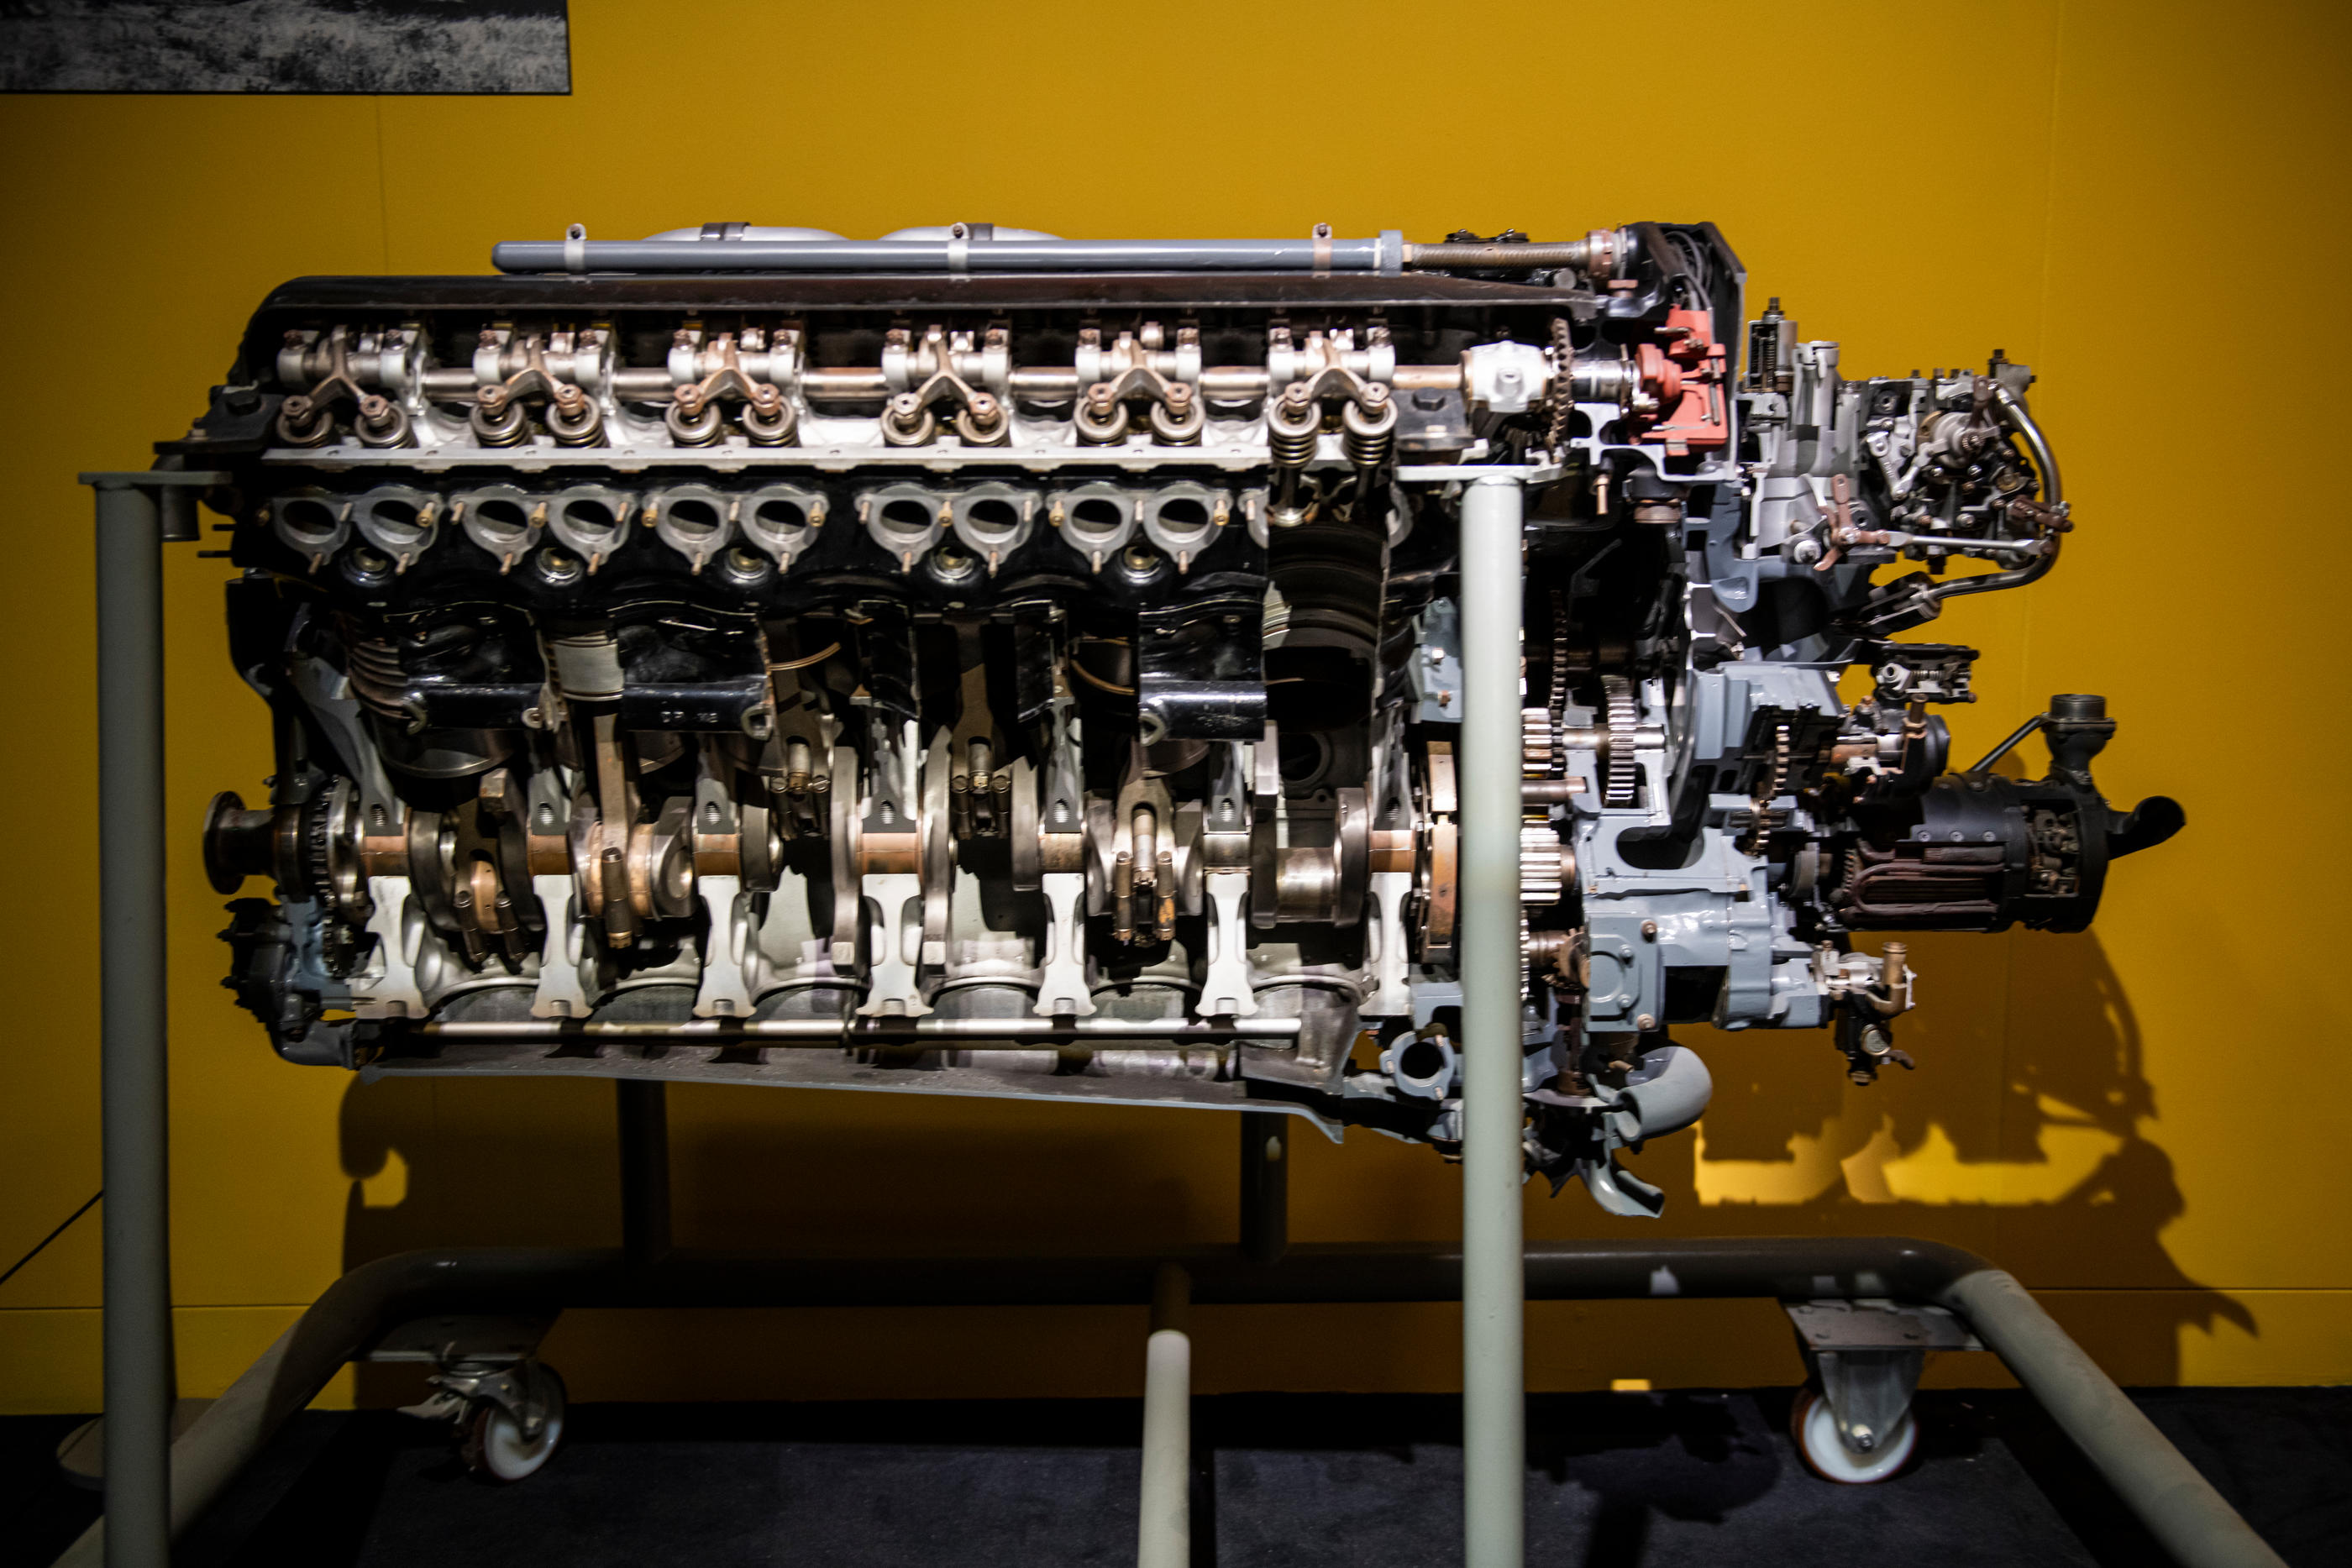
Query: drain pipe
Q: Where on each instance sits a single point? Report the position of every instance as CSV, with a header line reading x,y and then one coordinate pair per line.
x,y
1494,1283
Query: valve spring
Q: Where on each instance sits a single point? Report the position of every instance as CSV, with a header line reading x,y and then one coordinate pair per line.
x,y
1290,446
1366,443
378,680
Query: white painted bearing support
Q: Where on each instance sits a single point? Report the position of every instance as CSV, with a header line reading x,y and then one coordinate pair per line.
x,y
1493,1283
1225,987
562,992
892,943
1164,1521
1062,979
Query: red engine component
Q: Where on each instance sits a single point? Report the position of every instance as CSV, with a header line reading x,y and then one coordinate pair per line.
x,y
1685,374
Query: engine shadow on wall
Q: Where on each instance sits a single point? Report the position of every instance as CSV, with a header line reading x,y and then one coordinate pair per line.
x,y
284,46
512,1162
2037,1153
2024,1135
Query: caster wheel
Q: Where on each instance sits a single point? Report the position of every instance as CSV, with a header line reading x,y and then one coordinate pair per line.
x,y
1826,1455
495,1447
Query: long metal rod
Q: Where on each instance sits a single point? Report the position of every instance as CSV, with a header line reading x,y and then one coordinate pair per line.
x,y
839,1032
1164,1518
2177,1504
1494,1383
1384,253
132,1079
1387,253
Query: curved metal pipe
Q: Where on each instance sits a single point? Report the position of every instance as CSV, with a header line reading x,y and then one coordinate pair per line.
x,y
2054,493
2013,409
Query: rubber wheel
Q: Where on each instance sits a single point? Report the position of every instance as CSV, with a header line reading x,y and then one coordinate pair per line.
x,y
1825,1454
495,1447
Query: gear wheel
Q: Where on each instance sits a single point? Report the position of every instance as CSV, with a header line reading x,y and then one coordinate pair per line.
x,y
1543,865
329,846
1538,757
1559,661
1621,776
1563,396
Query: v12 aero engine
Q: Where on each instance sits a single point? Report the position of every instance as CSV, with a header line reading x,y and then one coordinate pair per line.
x,y
974,662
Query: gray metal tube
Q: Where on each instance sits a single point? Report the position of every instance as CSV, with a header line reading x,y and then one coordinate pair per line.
x,y
2149,1477
138,1323
956,256
2179,1506
1164,1519
1494,1386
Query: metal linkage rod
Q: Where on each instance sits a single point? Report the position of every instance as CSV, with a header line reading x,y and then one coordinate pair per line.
x,y
137,1228
1386,252
1493,1387
880,1030
1382,254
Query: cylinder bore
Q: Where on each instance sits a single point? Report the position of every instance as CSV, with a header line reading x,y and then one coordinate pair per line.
x,y
1098,521
311,526
781,519
591,522
696,521
503,520
399,521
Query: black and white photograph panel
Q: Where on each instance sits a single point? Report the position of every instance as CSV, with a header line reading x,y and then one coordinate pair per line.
x,y
286,46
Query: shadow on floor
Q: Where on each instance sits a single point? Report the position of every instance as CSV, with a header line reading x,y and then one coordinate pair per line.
x,y
1614,1481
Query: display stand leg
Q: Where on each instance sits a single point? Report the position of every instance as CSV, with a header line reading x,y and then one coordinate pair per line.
x,y
1164,1521
644,1105
131,1056
1494,1286
1266,1185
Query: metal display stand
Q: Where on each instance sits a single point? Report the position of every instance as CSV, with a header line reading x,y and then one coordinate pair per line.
x,y
1908,1296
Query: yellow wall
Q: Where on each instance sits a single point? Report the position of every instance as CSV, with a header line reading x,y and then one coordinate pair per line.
x,y
2143,200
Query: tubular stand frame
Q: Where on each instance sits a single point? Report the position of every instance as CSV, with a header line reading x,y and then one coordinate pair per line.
x,y
156,1487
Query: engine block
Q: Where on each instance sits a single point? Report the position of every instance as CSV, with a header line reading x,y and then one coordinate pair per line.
x,y
974,662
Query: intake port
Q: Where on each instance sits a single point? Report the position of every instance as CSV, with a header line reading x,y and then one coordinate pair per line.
x,y
503,520
1183,521
400,522
905,522
313,526
1097,522
694,520
994,520
591,522
781,519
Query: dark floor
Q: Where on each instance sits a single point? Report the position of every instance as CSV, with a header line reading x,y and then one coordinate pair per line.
x,y
1653,1479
